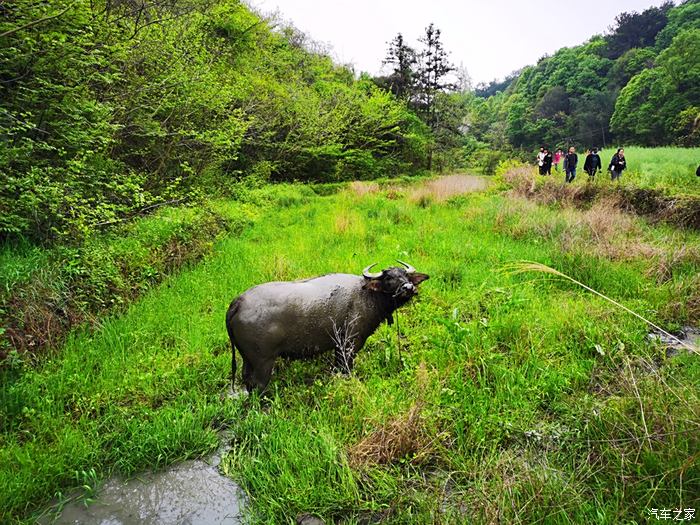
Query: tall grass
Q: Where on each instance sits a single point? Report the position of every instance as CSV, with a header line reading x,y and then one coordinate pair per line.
x,y
511,399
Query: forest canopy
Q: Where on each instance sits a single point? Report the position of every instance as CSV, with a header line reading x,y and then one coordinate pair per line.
x,y
636,84
112,108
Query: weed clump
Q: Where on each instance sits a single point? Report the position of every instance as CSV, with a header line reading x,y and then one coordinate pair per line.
x,y
405,436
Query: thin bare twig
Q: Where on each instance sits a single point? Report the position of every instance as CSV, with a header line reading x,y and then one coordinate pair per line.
x,y
530,266
35,22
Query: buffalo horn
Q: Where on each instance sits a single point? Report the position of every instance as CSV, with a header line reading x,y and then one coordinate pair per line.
x,y
409,268
368,275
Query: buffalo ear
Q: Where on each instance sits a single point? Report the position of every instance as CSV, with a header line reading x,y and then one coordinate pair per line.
x,y
417,278
374,285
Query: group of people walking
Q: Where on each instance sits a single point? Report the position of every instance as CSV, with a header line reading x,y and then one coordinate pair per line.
x,y
592,164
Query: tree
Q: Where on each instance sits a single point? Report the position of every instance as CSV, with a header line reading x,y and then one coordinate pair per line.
x,y
495,86
403,59
659,106
636,29
684,16
464,79
629,64
433,70
641,108
681,61
554,101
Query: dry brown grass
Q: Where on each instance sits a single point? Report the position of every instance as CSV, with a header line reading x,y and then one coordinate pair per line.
x,y
347,221
602,229
679,210
608,231
666,262
521,179
361,189
404,436
525,182
443,188
401,437
688,303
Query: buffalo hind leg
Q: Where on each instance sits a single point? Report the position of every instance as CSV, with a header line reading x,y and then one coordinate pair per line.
x,y
257,377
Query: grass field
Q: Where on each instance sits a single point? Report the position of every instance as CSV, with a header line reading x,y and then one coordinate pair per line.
x,y
670,169
511,398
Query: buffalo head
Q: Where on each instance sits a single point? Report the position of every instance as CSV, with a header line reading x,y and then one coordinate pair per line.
x,y
399,283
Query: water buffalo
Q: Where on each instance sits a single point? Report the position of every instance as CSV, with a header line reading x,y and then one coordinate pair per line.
x,y
304,318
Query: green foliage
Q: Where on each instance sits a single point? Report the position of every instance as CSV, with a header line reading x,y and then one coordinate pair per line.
x,y
44,294
660,105
636,84
684,16
636,30
104,114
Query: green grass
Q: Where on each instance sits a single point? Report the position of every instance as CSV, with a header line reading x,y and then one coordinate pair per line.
x,y
669,168
538,402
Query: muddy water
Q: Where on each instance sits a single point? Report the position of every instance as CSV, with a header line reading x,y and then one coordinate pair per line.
x,y
689,335
189,493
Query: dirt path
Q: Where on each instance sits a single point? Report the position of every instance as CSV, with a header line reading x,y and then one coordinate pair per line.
x,y
438,189
448,186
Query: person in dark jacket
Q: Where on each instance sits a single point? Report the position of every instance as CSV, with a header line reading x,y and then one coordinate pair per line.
x,y
540,160
697,171
592,164
617,164
547,162
570,162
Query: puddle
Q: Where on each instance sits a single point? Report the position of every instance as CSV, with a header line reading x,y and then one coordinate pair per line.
x,y
689,335
188,493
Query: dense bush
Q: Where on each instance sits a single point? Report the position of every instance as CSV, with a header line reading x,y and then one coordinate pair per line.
x,y
110,108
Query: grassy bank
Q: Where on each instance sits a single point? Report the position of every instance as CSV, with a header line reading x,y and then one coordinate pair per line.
x,y
670,170
510,398
662,186
47,292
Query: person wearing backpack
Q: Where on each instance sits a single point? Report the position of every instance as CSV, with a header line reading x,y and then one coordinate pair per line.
x,y
592,164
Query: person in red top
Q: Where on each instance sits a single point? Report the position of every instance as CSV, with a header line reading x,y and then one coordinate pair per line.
x,y
557,158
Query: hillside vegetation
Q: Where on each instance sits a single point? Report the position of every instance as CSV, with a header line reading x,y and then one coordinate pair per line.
x,y
108,109
159,157
637,84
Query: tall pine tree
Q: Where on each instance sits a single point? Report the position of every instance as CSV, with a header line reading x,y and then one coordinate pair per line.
x,y
403,59
432,74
